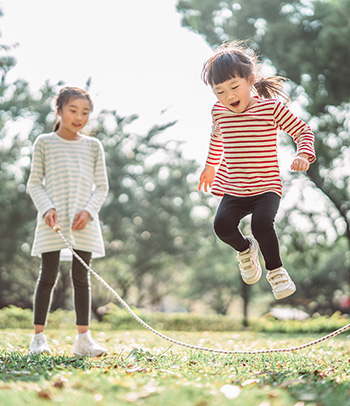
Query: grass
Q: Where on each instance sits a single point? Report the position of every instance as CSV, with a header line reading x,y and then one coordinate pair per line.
x,y
142,369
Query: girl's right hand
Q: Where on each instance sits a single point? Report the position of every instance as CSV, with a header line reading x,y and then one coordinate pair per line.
x,y
207,178
51,217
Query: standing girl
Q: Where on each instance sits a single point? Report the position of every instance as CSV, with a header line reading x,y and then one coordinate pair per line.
x,y
68,184
243,143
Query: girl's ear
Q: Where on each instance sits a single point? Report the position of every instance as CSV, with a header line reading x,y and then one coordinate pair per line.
x,y
59,113
251,79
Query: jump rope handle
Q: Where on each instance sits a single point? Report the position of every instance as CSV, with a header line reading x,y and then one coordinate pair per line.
x,y
56,228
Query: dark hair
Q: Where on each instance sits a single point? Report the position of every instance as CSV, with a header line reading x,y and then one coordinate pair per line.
x,y
65,95
235,59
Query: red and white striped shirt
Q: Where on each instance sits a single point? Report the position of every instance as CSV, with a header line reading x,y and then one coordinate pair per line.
x,y
248,143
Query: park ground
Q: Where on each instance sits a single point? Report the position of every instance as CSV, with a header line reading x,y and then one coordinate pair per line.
x,y
142,369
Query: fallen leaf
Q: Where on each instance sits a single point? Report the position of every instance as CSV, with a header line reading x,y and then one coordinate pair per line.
x,y
44,394
250,382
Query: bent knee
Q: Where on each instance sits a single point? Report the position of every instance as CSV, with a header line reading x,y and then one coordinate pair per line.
x,y
260,228
222,227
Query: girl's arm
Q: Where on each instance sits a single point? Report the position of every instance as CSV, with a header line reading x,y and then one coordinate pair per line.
x,y
301,133
214,158
215,146
100,192
35,185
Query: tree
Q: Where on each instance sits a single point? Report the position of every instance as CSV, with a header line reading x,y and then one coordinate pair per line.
x,y
18,110
307,42
157,227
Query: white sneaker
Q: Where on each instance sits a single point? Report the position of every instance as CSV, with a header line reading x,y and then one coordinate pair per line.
x,y
249,264
282,284
38,344
87,346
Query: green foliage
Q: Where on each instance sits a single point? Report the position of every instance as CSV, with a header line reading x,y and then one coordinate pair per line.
x,y
20,114
317,324
117,319
307,42
120,319
6,61
16,317
157,227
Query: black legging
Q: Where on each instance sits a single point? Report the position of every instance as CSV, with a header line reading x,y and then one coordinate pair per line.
x,y
46,283
263,208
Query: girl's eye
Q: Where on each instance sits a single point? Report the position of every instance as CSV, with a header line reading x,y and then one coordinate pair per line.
x,y
219,92
234,88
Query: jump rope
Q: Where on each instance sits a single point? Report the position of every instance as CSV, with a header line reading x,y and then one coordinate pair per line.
x,y
57,229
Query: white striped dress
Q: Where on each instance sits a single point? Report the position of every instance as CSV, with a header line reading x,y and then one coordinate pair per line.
x,y
245,146
69,176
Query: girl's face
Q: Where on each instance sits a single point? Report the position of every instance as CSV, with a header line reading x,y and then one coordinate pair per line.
x,y
74,115
235,93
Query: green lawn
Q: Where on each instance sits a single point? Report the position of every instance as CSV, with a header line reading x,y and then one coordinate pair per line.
x,y
142,369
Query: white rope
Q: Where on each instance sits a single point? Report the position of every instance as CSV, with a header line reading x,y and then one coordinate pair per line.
x,y
194,347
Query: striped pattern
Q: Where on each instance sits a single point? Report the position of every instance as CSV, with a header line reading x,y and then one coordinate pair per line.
x,y
69,176
245,146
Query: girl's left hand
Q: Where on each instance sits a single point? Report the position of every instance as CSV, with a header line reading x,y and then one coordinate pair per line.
x,y
80,220
301,163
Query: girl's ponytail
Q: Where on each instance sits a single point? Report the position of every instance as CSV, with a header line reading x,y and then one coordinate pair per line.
x,y
271,87
235,59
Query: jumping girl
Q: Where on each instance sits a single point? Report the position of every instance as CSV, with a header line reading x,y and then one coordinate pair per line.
x,y
243,143
68,184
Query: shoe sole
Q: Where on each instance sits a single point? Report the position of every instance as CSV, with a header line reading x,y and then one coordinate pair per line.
x,y
90,355
251,281
285,293
39,352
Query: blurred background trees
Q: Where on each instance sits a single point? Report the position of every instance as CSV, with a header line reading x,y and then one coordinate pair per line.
x,y
305,41
161,250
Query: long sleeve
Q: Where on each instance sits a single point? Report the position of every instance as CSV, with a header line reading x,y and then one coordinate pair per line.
x,y
245,146
215,146
296,128
35,185
69,176
99,194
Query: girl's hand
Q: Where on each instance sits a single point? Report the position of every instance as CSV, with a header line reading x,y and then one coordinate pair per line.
x,y
301,163
207,178
80,220
50,217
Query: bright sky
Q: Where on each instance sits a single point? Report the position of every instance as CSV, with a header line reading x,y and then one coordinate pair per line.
x,y
141,60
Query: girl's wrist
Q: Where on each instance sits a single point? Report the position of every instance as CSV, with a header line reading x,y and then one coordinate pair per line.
x,y
304,156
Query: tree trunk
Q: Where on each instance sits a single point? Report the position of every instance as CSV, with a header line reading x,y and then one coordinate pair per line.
x,y
245,298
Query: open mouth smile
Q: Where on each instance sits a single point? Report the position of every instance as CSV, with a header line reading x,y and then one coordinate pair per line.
x,y
235,104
